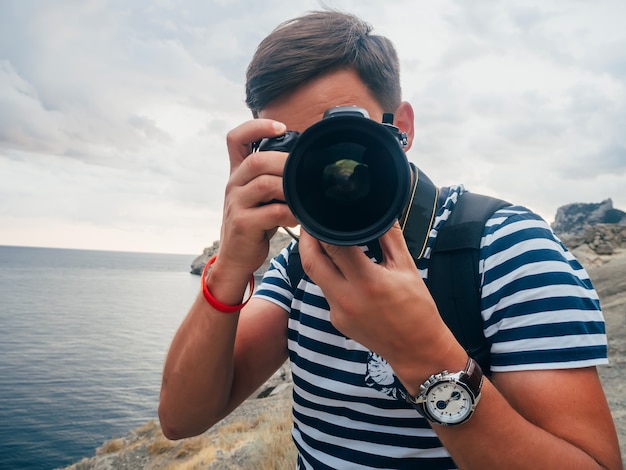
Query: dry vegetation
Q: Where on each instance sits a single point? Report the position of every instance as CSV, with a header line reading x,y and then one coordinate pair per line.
x,y
257,436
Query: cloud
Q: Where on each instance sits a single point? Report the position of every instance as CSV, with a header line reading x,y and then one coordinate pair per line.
x,y
525,100
103,80
113,115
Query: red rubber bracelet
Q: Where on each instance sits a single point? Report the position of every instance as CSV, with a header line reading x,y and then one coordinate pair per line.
x,y
216,304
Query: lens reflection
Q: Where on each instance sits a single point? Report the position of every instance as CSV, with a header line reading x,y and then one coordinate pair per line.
x,y
346,181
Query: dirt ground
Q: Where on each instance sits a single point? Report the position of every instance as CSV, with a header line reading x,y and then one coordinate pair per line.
x,y
610,282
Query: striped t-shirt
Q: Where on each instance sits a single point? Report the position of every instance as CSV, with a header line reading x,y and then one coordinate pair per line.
x,y
539,308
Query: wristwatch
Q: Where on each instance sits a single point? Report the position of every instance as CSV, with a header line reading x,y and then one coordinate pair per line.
x,y
450,399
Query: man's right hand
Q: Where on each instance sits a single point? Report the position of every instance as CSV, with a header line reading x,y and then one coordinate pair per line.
x,y
217,360
249,220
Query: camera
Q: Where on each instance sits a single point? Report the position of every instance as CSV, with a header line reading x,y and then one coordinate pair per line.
x,y
347,178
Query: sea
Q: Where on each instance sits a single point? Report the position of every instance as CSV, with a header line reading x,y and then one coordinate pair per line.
x,y
83,338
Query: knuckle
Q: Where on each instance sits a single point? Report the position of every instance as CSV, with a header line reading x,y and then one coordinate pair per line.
x,y
255,162
238,223
232,137
263,184
230,186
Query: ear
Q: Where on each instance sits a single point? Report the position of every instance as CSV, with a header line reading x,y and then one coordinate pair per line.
x,y
404,119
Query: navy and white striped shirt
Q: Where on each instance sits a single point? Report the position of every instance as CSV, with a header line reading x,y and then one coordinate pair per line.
x,y
539,308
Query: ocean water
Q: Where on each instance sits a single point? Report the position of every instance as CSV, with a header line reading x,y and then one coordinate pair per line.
x,y
83,337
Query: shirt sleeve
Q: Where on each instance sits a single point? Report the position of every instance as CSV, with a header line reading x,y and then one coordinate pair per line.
x,y
275,285
539,307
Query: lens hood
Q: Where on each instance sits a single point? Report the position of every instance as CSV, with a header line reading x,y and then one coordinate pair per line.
x,y
347,178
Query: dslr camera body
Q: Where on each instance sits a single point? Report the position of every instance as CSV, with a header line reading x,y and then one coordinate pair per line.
x,y
347,178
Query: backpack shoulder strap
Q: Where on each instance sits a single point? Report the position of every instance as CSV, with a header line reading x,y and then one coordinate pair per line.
x,y
295,272
453,278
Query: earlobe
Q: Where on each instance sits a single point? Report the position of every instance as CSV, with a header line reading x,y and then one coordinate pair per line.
x,y
404,120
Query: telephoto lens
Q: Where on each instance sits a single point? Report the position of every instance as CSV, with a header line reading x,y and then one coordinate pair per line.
x,y
347,178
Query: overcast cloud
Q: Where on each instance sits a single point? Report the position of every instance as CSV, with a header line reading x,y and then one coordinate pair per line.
x,y
113,114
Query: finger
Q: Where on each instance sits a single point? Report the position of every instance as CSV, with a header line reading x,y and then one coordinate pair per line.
x,y
351,261
263,189
316,263
239,140
258,164
272,216
348,262
253,223
394,248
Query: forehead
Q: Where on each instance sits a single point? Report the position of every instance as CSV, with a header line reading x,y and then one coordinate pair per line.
x,y
306,104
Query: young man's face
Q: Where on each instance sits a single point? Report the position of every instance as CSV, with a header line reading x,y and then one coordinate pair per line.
x,y
306,105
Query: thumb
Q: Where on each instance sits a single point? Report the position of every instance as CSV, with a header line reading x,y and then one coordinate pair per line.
x,y
315,262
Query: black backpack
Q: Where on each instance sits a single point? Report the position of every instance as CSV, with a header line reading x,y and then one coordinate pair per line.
x,y
453,278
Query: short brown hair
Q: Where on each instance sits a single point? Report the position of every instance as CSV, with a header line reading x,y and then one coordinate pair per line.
x,y
319,42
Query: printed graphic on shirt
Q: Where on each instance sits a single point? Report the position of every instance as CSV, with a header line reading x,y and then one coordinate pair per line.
x,y
380,377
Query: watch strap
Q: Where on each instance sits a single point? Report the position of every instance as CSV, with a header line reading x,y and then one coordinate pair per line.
x,y
472,376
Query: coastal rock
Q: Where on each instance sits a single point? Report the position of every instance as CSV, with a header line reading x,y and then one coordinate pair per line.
x,y
277,243
574,219
593,232
197,265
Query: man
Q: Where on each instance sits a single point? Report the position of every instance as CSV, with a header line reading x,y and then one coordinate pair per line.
x,y
363,336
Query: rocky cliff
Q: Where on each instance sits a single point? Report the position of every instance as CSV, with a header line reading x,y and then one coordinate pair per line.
x,y
594,232
277,243
575,219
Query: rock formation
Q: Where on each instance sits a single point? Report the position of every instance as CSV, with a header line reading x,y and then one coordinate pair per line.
x,y
575,218
593,231
277,243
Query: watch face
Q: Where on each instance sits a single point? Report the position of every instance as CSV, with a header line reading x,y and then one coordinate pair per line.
x,y
449,402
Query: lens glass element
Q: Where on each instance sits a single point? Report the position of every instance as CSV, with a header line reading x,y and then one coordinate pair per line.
x,y
346,180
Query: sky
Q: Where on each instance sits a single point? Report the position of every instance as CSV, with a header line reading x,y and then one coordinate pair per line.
x,y
113,114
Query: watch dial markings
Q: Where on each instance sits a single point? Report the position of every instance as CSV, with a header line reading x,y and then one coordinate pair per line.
x,y
448,402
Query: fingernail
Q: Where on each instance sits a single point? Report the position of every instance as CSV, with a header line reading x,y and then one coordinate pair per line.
x,y
279,127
